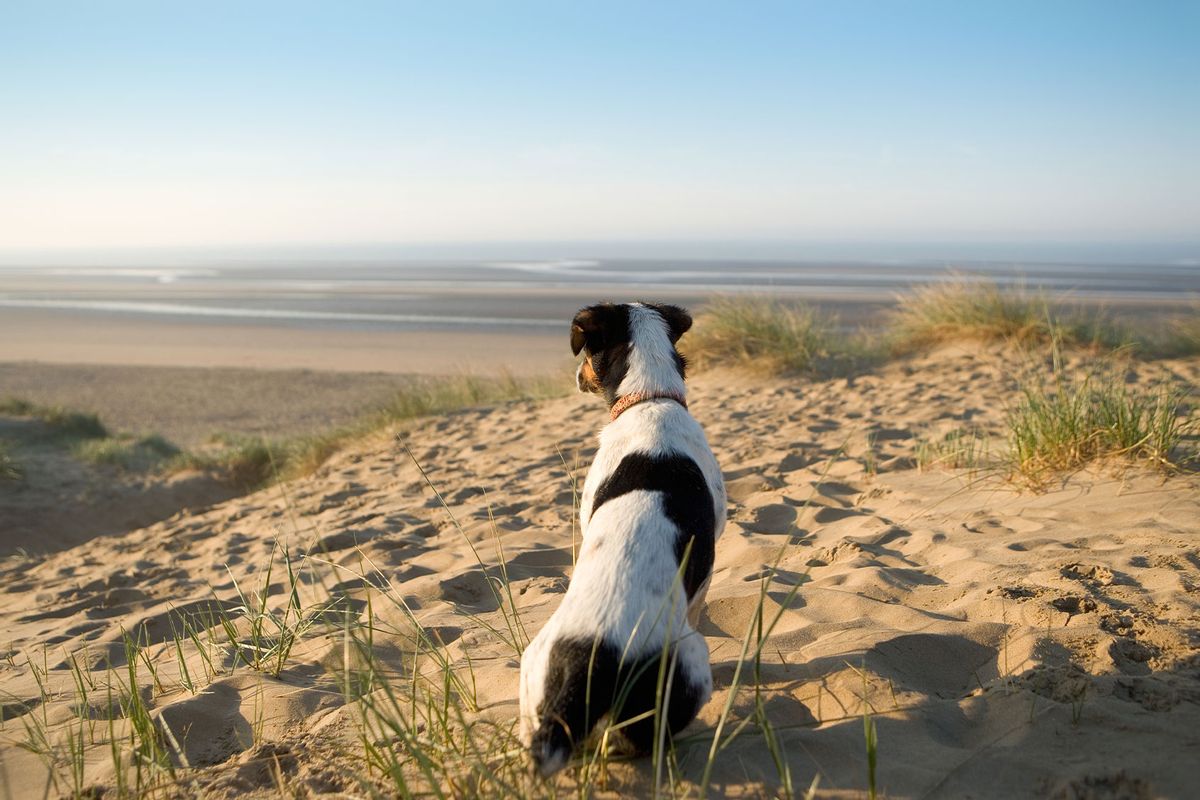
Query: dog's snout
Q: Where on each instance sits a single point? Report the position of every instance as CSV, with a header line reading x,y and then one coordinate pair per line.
x,y
586,378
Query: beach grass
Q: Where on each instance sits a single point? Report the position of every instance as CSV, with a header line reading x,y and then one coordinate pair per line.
x,y
129,453
965,309
977,309
1178,337
250,462
772,337
416,726
764,336
1065,418
10,468
960,448
60,422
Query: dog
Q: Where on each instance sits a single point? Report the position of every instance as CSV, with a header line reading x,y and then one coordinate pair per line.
x,y
652,509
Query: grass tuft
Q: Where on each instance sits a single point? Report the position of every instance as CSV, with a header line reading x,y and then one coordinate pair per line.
x,y
1065,419
10,470
1178,337
62,422
428,396
967,309
250,462
126,452
958,449
963,309
758,333
1185,333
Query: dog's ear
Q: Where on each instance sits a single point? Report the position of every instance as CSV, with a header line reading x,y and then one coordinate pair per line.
x,y
588,327
678,319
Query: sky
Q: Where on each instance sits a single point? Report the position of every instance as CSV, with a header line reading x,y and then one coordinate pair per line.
x,y
160,124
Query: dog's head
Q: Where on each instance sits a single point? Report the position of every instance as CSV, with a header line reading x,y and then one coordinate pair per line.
x,y
629,347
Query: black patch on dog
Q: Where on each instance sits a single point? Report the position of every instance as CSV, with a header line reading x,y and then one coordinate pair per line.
x,y
687,502
679,321
603,331
585,680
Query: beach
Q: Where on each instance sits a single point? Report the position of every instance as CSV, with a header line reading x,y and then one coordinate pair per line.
x,y
1005,642
1000,638
447,317
296,302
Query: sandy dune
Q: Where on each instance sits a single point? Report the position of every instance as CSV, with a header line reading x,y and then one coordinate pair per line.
x,y
1009,643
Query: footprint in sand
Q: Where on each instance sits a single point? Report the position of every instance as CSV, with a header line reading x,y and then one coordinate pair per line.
x,y
1149,692
942,665
344,540
1131,656
741,488
991,526
543,561
827,514
471,589
838,491
1088,572
774,518
1073,604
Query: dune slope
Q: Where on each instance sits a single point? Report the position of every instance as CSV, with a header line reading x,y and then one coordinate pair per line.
x,y
1006,643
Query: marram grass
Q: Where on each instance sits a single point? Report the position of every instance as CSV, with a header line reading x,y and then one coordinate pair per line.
x,y
1063,420
250,462
60,422
414,724
133,454
758,333
10,468
966,309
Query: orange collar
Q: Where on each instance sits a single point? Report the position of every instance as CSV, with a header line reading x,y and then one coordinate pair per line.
x,y
628,401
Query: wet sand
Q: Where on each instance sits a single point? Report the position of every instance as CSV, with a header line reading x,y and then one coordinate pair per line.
x,y
64,337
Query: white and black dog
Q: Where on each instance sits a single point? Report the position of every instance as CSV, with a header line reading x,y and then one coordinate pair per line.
x,y
653,506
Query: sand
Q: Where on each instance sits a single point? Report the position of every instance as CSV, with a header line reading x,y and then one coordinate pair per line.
x,y
189,405
59,337
1009,643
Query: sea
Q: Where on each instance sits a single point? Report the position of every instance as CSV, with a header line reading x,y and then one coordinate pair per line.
x,y
533,286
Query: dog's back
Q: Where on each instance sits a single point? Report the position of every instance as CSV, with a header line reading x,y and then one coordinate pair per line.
x,y
652,508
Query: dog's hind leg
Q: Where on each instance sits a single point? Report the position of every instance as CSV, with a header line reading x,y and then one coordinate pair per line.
x,y
690,689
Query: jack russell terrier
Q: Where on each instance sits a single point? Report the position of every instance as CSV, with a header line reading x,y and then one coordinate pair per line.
x,y
652,509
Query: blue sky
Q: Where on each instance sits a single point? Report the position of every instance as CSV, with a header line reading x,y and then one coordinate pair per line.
x,y
164,124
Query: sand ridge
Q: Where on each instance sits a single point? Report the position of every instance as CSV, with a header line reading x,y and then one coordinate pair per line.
x,y
1009,643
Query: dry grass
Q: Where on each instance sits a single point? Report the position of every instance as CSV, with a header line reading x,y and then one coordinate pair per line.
x,y
758,333
60,422
10,470
958,449
132,454
414,722
1177,337
982,310
963,309
249,462
772,337
765,336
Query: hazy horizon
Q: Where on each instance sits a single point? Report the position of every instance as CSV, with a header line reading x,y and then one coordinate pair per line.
x,y
899,253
